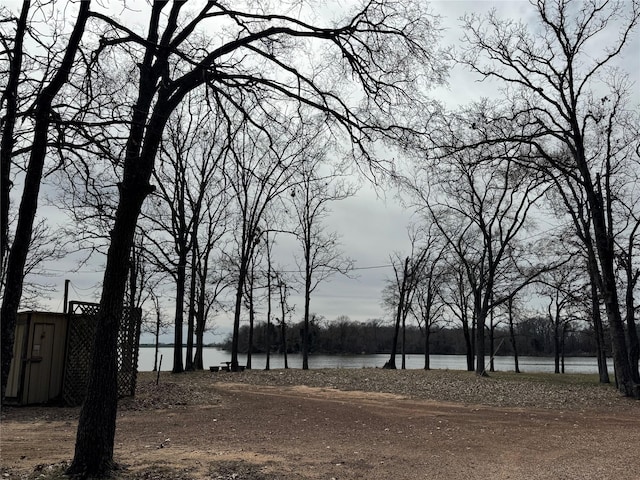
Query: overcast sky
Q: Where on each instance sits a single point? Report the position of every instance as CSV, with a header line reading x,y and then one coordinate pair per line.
x,y
372,228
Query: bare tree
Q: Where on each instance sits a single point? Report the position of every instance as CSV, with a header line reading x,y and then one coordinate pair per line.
x,y
511,311
251,62
187,178
400,292
557,85
314,190
563,288
269,241
211,280
12,46
481,209
428,305
457,297
285,312
258,173
568,199
46,246
42,112
621,194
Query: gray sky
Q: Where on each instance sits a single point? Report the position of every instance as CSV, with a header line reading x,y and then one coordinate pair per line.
x,y
371,228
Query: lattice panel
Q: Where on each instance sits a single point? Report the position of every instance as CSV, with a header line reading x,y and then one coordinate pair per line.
x,y
82,327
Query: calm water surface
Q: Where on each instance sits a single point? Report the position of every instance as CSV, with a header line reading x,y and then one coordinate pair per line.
x,y
216,356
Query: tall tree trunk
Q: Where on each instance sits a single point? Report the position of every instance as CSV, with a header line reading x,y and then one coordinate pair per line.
x,y
305,328
10,100
97,423
512,336
556,342
404,342
96,426
492,340
29,203
157,340
235,339
391,364
632,332
201,320
481,317
178,365
252,315
267,347
562,341
191,320
283,325
468,340
609,290
601,350
618,341
307,299
427,350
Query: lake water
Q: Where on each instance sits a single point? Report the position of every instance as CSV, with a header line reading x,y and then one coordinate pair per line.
x,y
216,356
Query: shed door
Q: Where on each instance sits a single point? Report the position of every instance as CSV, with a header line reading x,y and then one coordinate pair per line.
x,y
39,363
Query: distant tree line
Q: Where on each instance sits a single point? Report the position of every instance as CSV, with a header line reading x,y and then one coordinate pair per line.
x,y
534,337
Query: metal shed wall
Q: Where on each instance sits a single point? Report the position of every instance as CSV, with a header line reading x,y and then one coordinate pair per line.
x,y
37,367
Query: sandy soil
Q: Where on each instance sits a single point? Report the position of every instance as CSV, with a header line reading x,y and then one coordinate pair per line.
x,y
234,426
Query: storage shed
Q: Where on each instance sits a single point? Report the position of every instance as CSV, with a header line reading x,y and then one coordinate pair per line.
x,y
38,357
52,351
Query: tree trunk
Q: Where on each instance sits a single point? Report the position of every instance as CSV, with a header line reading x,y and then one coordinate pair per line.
x,y
564,331
305,329
191,327
201,320
283,324
10,99
267,347
252,314
481,317
556,343
307,297
492,340
96,426
178,365
404,343
157,340
618,340
632,332
427,353
609,291
468,342
29,202
601,350
242,276
97,422
391,364
512,336
198,363
283,330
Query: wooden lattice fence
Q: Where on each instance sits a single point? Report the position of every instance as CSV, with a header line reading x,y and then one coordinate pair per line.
x,y
80,338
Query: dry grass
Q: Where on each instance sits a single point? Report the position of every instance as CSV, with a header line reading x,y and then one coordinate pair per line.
x,y
501,389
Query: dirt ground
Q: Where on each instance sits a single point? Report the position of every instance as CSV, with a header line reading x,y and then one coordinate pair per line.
x,y
218,428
